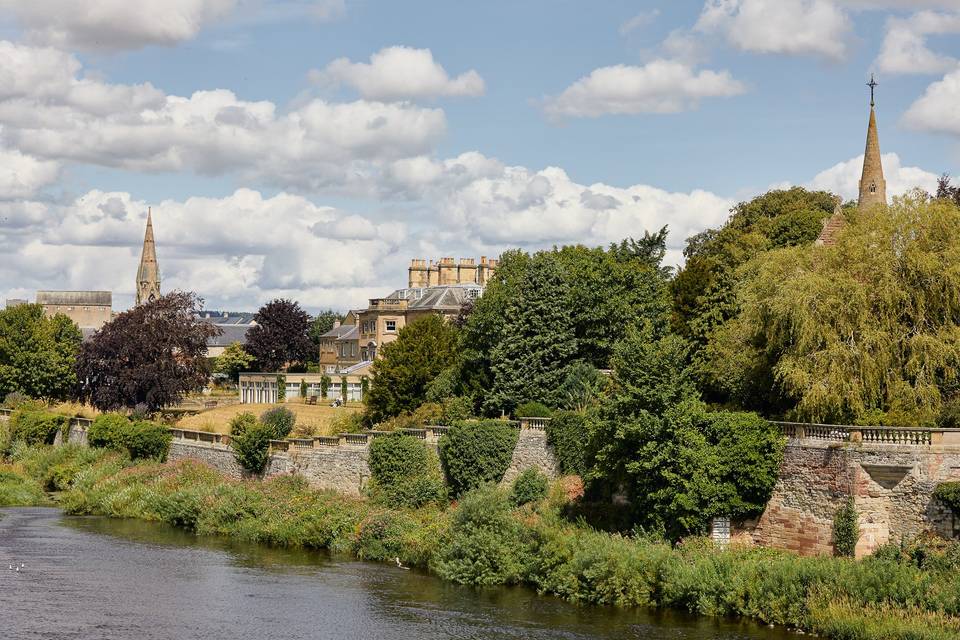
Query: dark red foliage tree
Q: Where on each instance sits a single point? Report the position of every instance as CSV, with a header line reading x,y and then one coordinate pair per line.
x,y
281,336
151,355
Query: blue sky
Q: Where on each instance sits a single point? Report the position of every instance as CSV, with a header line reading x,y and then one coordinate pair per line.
x,y
549,122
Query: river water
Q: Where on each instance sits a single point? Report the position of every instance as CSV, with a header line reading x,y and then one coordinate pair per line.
x,y
95,578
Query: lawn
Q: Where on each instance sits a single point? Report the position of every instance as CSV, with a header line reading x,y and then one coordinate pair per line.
x,y
311,419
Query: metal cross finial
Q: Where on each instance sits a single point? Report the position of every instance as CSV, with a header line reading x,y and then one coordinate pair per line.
x,y
873,85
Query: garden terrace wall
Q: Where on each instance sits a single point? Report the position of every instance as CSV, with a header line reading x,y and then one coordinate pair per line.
x,y
891,473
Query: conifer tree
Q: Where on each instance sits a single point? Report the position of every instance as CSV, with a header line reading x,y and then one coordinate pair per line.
x,y
538,341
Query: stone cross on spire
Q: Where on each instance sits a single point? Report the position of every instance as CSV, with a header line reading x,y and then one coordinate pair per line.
x,y
148,275
873,188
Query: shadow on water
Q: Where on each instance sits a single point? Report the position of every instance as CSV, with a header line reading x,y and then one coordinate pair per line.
x,y
126,579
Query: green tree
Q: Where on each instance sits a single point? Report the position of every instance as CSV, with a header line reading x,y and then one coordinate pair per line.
x,y
538,341
705,290
233,361
37,354
868,324
423,349
680,463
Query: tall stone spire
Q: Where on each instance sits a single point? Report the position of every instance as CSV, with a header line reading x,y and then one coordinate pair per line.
x,y
873,188
148,275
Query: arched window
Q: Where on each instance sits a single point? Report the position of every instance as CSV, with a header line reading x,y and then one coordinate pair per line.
x,y
873,187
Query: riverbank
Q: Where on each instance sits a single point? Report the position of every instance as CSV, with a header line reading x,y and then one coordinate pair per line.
x,y
484,540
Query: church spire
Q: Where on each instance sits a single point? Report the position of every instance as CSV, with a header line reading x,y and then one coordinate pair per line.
x,y
873,188
148,275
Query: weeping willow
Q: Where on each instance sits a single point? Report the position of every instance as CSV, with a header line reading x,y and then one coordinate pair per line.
x,y
864,330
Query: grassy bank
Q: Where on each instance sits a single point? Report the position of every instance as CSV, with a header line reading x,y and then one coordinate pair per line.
x,y
484,540
318,420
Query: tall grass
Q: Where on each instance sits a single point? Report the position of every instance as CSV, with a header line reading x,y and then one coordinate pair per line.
x,y
485,540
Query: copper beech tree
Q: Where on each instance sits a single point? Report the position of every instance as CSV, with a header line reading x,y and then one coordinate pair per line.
x,y
149,356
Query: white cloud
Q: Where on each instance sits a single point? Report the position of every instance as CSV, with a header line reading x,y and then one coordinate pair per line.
x,y
660,86
936,110
843,178
905,47
792,27
22,176
398,73
114,24
638,21
49,111
237,251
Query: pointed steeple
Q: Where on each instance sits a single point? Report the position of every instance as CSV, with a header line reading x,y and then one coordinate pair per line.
x,y
873,188
148,275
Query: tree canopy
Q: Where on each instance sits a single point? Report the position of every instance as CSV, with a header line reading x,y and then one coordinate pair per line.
x,y
866,329
37,354
151,355
422,350
280,339
233,361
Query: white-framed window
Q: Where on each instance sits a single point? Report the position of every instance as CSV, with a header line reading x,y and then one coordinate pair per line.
x,y
390,326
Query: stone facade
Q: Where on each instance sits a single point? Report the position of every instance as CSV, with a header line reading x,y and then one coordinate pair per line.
x,y
533,451
891,484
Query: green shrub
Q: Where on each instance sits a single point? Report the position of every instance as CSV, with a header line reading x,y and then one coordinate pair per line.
x,y
251,448
456,408
381,536
281,420
567,434
404,472
108,431
846,529
14,399
949,494
475,453
347,422
145,440
530,486
532,410
241,422
949,416
18,490
36,427
485,545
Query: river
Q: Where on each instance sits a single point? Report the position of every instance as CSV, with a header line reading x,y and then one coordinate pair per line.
x,y
96,578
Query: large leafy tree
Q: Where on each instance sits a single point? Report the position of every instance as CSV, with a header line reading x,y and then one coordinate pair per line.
x,y
37,354
538,340
422,350
704,291
151,355
280,339
233,361
867,329
679,463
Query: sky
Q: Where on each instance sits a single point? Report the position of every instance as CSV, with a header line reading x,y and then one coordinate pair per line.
x,y
308,149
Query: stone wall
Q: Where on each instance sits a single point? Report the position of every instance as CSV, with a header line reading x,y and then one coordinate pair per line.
x,y
891,484
532,450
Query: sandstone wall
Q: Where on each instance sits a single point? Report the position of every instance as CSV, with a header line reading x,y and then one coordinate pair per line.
x,y
532,450
892,487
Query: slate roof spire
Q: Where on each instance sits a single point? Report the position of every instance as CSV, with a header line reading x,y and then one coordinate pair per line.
x,y
148,275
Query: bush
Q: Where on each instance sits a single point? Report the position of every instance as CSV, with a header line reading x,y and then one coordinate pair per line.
x,y
404,472
241,422
36,427
567,434
532,410
141,440
18,490
530,486
486,545
145,440
456,408
14,399
474,453
251,448
347,422
846,529
281,420
108,431
949,494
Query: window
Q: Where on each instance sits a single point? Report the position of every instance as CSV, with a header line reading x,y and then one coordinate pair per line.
x,y
390,326
873,187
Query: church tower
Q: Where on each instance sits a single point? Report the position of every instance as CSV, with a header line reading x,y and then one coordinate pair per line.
x,y
873,188
148,275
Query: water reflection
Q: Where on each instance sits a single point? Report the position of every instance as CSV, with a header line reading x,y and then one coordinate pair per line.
x,y
126,579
